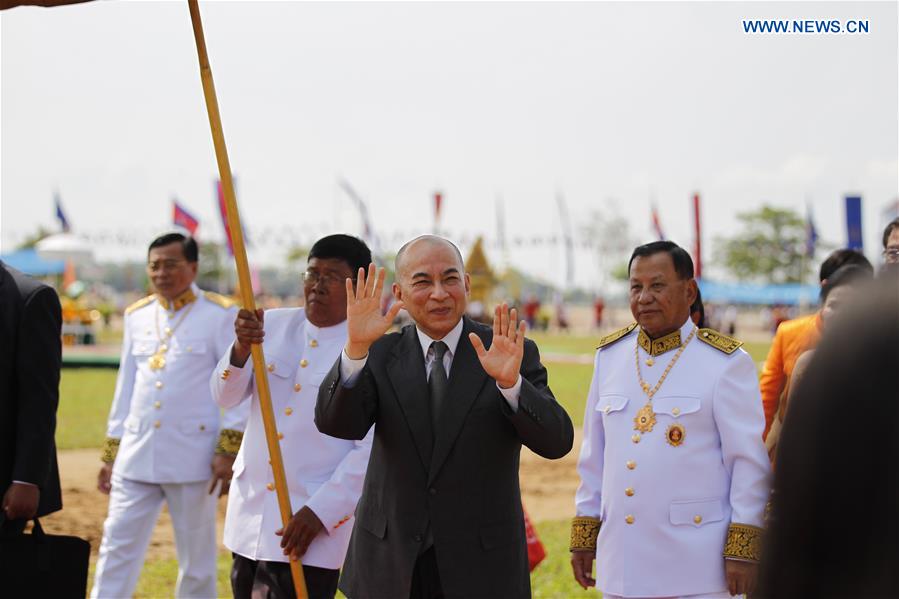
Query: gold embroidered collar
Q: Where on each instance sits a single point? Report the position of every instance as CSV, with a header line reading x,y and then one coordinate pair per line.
x,y
179,302
657,347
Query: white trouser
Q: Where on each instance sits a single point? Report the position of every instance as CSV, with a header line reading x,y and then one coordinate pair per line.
x,y
133,510
722,595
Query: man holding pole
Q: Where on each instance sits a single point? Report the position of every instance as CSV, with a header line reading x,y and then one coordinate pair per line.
x,y
166,438
440,513
324,474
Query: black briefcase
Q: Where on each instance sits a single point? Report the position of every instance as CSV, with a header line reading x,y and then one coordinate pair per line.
x,y
42,565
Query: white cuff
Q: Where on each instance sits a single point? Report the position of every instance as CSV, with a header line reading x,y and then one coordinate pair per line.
x,y
512,394
350,368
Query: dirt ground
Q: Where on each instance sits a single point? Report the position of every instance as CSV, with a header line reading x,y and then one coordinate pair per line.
x,y
547,487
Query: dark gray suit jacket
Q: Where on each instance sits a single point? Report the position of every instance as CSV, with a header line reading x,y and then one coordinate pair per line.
x,y
461,482
30,358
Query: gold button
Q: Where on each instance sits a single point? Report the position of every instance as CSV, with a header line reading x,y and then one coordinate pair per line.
x,y
297,387
697,519
163,348
631,464
157,424
225,374
270,486
313,343
280,435
157,404
304,363
288,411
202,427
635,438
271,367
675,411
189,349
168,331
705,334
159,384
629,519
629,492
606,409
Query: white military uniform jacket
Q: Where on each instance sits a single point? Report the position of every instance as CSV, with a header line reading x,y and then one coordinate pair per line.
x,y
166,420
666,498
322,472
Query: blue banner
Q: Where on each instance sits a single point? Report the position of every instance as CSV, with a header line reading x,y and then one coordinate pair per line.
x,y
854,223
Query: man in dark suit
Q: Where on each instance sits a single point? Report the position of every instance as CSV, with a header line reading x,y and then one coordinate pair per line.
x,y
440,513
30,357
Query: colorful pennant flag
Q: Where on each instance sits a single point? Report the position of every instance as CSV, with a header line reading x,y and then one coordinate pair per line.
x,y
656,223
182,218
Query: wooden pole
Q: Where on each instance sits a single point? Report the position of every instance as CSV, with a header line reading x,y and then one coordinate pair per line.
x,y
246,287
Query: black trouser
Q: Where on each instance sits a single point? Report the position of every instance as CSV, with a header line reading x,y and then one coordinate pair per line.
x,y
426,577
272,580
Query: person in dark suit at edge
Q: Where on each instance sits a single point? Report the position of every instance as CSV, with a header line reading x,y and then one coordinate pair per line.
x,y
452,401
30,359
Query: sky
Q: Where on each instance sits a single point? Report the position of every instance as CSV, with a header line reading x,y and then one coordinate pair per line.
x,y
612,106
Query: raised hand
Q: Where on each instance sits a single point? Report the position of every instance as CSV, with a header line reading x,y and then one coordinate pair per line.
x,y
365,323
503,360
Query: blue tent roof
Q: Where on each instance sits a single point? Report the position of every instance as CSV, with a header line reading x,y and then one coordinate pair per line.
x,y
789,294
29,262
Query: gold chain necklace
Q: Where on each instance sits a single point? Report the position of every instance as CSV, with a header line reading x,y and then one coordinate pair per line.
x,y
645,419
157,360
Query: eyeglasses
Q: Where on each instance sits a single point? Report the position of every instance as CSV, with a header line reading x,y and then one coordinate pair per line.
x,y
891,255
311,277
166,265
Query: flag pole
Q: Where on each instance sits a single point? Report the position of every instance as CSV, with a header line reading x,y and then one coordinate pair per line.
x,y
246,287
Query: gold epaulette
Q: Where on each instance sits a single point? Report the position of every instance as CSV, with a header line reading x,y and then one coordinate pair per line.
x,y
144,301
584,531
219,299
743,542
229,442
613,337
720,342
110,450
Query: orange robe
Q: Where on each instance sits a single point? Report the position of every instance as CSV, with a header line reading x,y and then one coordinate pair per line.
x,y
793,337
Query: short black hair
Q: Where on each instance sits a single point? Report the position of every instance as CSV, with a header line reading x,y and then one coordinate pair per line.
x,y
351,250
846,275
188,245
683,263
893,224
698,307
840,258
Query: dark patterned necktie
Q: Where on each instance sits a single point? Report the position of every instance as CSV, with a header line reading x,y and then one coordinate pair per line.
x,y
437,382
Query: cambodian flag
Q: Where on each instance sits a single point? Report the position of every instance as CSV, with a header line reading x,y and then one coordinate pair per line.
x,y
657,224
182,218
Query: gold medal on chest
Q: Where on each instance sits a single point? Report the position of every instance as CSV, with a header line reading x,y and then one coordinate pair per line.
x,y
675,434
645,419
157,361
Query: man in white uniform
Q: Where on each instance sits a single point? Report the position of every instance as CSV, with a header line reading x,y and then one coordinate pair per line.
x,y
166,438
674,474
324,474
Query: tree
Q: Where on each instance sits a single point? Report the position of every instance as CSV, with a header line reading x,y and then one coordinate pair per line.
x,y
769,248
32,239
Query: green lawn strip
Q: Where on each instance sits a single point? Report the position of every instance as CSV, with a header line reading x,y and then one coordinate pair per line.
x,y
570,383
85,395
